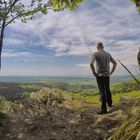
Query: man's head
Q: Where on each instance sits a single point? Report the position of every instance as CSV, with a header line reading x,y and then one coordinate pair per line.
x,y
100,46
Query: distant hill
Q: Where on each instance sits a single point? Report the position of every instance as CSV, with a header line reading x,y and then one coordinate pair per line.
x,y
82,85
37,79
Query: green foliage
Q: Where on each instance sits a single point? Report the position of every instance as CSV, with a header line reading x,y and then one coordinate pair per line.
x,y
132,94
62,4
90,92
24,94
123,88
30,86
50,96
17,9
27,89
4,104
137,3
1,15
138,9
133,1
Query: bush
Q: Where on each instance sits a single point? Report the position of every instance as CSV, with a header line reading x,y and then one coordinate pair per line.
x,y
4,104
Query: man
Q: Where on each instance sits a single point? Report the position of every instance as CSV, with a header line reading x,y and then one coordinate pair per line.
x,y
102,74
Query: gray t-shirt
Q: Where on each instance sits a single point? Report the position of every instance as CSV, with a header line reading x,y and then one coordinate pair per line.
x,y
102,60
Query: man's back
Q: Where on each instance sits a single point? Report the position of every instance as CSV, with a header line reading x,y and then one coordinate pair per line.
x,y
102,59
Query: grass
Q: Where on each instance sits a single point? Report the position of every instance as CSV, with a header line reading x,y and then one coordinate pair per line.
x,y
84,82
116,98
132,94
30,86
81,102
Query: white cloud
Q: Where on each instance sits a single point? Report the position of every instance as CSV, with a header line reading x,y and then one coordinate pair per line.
x,y
115,23
11,53
83,66
73,50
85,26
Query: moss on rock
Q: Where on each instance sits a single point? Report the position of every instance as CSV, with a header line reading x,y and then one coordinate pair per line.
x,y
130,128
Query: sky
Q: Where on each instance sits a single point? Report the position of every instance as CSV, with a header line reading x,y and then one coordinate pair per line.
x,y
61,44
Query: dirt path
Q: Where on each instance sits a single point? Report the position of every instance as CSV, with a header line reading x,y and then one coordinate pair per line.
x,y
63,123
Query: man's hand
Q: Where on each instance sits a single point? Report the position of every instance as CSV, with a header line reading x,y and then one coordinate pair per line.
x,y
95,74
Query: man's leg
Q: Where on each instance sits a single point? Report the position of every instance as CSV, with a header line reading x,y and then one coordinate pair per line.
x,y
101,87
108,93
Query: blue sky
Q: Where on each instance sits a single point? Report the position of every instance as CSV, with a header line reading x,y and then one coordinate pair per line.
x,y
62,43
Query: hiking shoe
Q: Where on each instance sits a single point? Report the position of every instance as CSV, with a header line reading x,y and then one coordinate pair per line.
x,y
102,112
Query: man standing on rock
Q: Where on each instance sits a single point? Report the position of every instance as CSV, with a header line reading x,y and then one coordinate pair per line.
x,y
102,74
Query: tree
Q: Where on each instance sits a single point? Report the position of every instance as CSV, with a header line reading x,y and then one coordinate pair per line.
x,y
137,3
138,58
11,10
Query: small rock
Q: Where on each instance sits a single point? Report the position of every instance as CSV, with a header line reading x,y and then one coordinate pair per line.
x,y
20,135
138,136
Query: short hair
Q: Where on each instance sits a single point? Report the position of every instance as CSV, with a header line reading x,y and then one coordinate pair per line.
x,y
100,45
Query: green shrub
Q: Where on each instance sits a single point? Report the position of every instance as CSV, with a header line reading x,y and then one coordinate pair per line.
x,y
4,104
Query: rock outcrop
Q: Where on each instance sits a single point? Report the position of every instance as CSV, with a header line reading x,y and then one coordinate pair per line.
x,y
50,115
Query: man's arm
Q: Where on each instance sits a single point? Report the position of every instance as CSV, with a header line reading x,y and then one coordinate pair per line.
x,y
93,68
114,65
92,61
